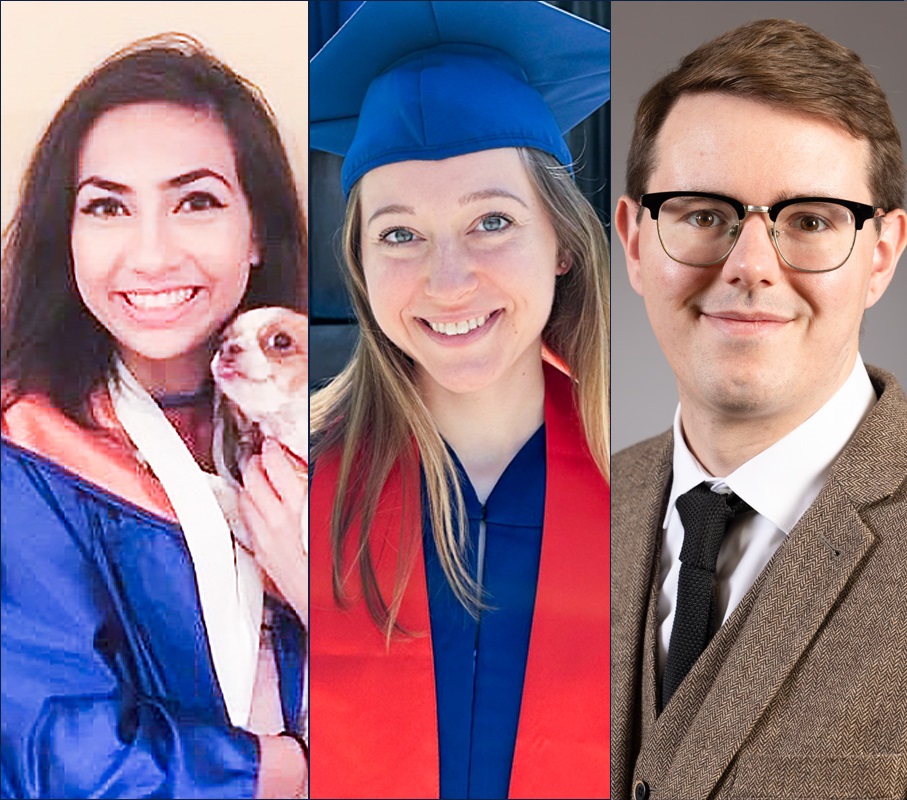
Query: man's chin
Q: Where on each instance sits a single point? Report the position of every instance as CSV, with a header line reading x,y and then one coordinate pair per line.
x,y
744,396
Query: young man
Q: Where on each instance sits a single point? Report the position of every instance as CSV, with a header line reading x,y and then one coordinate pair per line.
x,y
759,633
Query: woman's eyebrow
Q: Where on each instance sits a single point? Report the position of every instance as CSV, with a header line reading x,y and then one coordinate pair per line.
x,y
171,183
105,184
394,208
486,194
195,175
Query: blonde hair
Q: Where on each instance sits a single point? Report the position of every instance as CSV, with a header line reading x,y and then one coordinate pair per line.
x,y
372,414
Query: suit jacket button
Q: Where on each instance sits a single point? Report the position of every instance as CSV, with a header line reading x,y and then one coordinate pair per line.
x,y
641,790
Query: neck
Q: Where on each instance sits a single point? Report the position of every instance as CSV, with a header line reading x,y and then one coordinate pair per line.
x,y
185,375
486,429
723,441
289,426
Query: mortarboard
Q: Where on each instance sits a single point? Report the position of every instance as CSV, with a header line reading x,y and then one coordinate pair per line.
x,y
428,80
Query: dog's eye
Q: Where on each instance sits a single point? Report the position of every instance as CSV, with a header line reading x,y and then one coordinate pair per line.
x,y
281,341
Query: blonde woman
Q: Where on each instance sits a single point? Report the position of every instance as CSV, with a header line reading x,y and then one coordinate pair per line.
x,y
459,528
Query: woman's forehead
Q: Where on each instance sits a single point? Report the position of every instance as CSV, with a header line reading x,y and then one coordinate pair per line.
x,y
144,138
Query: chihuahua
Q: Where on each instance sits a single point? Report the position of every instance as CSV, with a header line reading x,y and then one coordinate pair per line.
x,y
261,371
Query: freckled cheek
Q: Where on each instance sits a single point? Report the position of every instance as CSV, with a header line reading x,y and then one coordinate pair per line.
x,y
389,292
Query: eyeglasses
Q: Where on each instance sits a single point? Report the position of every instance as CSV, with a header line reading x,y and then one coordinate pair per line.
x,y
811,234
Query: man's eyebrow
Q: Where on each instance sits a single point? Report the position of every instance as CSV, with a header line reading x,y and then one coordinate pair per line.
x,y
486,194
813,192
780,197
393,208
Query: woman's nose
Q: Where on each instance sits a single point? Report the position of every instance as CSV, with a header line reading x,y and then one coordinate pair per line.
x,y
152,244
451,272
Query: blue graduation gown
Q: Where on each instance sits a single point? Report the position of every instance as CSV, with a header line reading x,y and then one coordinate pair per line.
x,y
480,663
108,685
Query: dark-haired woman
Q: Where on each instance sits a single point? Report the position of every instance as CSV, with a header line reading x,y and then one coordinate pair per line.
x,y
141,657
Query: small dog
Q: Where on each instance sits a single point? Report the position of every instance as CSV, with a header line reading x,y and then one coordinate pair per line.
x,y
261,371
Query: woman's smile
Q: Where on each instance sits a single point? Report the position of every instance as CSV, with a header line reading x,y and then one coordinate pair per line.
x,y
162,237
460,259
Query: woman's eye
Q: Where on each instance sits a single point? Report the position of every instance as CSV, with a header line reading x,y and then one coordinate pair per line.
x,y
198,201
397,236
104,207
494,222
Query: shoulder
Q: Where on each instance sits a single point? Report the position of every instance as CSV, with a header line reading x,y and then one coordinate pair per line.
x,y
891,395
643,458
48,501
874,463
102,461
639,475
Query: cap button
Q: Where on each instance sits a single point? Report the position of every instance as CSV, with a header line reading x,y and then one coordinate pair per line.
x,y
641,791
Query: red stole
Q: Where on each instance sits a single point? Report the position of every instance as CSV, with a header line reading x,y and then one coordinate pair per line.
x,y
373,713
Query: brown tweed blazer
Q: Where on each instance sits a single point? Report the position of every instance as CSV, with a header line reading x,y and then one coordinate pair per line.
x,y
802,693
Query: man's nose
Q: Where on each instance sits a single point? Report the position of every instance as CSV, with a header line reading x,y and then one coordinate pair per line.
x,y
754,259
451,271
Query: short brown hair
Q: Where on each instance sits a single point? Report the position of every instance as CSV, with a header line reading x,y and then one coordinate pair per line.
x,y
788,64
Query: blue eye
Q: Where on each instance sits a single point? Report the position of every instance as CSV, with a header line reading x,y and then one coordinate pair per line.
x,y
198,201
397,236
495,222
103,207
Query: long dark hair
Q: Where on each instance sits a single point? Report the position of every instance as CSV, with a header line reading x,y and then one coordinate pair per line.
x,y
51,343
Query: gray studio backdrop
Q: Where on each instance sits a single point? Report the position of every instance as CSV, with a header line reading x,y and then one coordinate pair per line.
x,y
647,40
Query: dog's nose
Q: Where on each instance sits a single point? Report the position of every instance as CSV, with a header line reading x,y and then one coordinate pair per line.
x,y
231,349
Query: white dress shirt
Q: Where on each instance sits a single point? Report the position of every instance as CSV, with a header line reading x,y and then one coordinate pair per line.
x,y
779,483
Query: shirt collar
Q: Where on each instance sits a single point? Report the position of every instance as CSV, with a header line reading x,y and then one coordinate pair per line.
x,y
782,481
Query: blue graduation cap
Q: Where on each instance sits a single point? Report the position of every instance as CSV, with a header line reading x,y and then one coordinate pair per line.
x,y
432,79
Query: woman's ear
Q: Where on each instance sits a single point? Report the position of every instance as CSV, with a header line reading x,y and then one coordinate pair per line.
x,y
254,254
564,264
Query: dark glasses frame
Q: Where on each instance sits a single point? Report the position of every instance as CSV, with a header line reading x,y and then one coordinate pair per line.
x,y
653,201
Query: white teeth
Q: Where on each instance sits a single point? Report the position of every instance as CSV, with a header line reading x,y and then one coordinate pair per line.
x,y
458,328
155,300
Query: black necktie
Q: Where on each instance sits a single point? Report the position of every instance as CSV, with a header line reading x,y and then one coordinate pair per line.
x,y
706,516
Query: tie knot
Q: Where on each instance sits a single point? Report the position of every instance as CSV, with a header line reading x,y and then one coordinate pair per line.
x,y
706,516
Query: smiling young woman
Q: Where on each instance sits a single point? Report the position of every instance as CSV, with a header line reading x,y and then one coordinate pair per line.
x,y
449,582
158,202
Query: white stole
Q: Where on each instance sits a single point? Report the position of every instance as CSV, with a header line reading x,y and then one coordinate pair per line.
x,y
229,581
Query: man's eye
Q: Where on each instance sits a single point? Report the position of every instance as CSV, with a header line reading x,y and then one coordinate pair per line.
x,y
198,201
704,219
811,224
397,236
104,207
494,222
